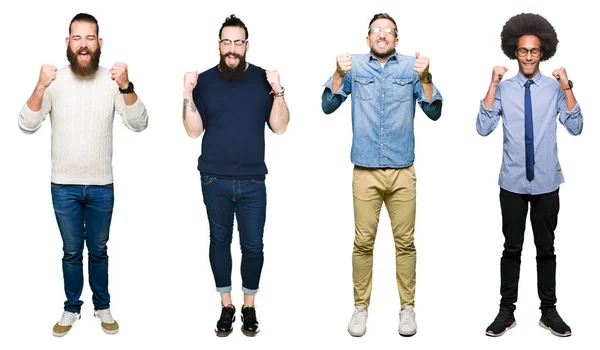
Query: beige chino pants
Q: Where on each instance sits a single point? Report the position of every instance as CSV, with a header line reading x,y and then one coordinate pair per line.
x,y
371,187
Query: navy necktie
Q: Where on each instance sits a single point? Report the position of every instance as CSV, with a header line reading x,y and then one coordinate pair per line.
x,y
529,155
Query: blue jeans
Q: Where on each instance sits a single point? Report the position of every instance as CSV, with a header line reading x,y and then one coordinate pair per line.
x,y
247,200
83,214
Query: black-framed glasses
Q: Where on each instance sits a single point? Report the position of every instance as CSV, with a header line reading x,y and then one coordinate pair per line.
x,y
386,30
535,52
238,42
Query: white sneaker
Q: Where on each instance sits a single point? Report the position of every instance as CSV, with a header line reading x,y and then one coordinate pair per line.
x,y
62,327
408,324
357,327
109,325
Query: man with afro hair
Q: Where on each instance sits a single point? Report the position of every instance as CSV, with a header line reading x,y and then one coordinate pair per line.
x,y
530,174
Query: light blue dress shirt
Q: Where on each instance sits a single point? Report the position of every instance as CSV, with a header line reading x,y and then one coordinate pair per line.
x,y
548,100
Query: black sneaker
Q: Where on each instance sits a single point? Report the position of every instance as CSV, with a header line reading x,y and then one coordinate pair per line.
x,y
225,323
552,321
503,322
250,324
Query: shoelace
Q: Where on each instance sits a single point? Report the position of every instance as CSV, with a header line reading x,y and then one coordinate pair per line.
x,y
404,316
224,314
105,316
67,318
360,315
249,315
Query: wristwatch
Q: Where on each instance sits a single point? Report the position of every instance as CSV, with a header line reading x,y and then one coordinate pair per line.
x,y
426,80
128,90
567,86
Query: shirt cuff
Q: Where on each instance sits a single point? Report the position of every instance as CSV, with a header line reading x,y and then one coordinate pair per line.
x,y
329,84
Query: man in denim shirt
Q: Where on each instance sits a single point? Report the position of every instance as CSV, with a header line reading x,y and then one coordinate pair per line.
x,y
530,174
386,86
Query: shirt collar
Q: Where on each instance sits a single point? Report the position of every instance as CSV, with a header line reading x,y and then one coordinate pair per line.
x,y
536,79
393,57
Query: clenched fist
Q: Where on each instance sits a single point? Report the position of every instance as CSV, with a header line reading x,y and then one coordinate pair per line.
x,y
190,79
47,75
273,79
343,63
561,75
497,74
421,65
119,75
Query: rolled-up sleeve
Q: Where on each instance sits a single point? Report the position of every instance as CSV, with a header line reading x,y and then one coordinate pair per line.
x,y
330,100
487,119
135,116
31,121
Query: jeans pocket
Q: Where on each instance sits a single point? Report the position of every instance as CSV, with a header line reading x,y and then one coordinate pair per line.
x,y
258,182
207,180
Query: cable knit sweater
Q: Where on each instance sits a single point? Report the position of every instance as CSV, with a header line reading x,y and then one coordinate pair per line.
x,y
82,112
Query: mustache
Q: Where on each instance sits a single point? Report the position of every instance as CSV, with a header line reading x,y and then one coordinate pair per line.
x,y
236,55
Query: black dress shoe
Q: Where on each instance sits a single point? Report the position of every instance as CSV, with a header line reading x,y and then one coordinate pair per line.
x,y
250,324
502,323
225,323
552,321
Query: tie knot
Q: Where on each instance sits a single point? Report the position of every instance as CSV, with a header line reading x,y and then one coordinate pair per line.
x,y
528,83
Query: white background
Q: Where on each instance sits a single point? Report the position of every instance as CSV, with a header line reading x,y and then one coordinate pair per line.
x,y
160,280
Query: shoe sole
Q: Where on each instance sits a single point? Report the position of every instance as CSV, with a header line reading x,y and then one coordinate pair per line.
x,y
223,334
110,332
249,334
552,331
490,334
408,335
58,335
357,335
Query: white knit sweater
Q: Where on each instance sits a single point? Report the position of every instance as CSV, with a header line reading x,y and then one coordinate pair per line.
x,y
82,112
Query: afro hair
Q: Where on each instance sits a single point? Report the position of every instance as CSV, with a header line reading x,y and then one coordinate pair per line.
x,y
528,24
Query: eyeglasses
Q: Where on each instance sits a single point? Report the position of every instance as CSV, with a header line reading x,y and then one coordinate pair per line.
x,y
387,30
238,42
535,52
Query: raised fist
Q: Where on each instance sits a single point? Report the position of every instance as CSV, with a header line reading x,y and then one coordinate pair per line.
x,y
189,82
343,63
561,75
421,65
497,74
119,75
47,75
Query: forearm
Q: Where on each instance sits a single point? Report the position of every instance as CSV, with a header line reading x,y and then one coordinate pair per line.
x,y
488,101
570,99
337,81
35,100
280,115
191,117
427,90
130,98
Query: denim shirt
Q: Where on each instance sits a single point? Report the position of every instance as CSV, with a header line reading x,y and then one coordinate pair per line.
x,y
548,100
383,109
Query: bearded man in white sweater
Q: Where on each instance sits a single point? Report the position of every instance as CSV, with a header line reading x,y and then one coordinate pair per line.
x,y
81,100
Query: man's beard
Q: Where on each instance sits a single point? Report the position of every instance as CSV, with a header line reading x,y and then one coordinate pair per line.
x,y
80,70
382,55
228,73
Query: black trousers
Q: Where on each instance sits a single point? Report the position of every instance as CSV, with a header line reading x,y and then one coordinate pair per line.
x,y
544,216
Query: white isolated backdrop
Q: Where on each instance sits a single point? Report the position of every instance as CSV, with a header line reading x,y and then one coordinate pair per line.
x,y
160,280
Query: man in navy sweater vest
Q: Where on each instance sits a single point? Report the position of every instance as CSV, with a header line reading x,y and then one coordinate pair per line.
x,y
232,102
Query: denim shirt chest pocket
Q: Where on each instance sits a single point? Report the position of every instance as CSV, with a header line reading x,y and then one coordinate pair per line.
x,y
365,87
402,89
